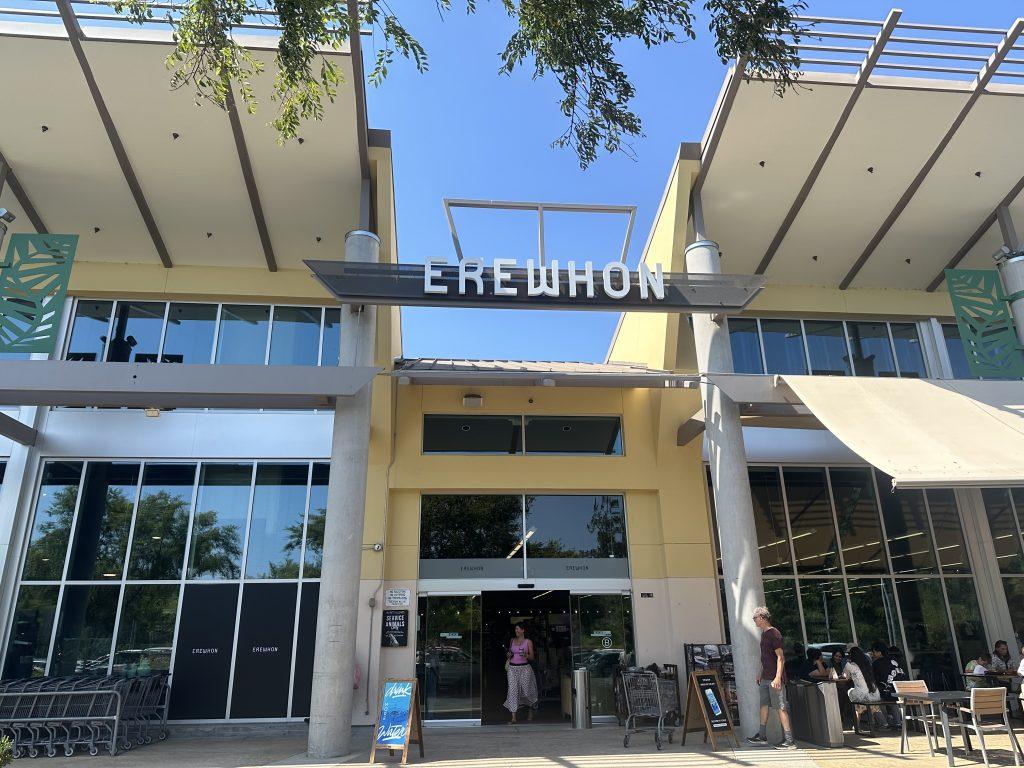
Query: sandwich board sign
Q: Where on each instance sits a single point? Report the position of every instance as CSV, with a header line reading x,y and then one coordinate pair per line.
x,y
706,709
398,718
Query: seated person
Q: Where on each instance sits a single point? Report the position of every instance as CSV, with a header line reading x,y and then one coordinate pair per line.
x,y
982,666
838,664
813,667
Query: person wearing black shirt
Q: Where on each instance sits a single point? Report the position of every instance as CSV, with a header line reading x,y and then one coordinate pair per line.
x,y
887,671
813,667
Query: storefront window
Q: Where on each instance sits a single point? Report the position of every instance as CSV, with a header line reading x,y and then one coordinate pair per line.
x,y
770,520
448,656
475,536
906,526
949,534
275,531
872,352
295,338
29,644
746,346
331,343
781,600
218,525
51,528
909,354
966,615
926,628
875,616
826,345
161,522
826,613
314,553
85,630
472,434
810,521
136,332
104,521
574,434
783,346
89,330
145,634
575,535
243,334
189,334
857,516
602,632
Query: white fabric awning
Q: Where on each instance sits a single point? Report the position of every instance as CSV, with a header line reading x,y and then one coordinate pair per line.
x,y
924,433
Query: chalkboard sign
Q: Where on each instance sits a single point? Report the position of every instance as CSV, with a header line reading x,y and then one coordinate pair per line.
x,y
395,629
398,718
706,709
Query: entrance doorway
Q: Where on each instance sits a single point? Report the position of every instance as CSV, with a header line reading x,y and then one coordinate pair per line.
x,y
545,614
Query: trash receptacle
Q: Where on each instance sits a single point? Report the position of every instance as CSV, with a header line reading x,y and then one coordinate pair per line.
x,y
581,698
814,712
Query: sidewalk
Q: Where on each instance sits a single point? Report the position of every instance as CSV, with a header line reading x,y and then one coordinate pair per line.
x,y
537,746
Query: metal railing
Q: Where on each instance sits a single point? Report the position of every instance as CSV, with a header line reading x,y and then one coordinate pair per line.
x,y
911,50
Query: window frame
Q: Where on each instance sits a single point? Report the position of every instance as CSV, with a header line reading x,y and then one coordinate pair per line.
x,y
522,437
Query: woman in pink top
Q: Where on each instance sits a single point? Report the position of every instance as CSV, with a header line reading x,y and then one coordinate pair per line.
x,y
522,685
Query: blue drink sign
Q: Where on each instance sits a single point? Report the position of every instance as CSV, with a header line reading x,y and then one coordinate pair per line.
x,y
395,710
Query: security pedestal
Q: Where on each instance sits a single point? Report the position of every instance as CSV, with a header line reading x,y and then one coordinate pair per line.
x,y
330,716
741,563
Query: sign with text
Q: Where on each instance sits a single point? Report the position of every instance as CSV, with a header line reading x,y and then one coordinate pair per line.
x,y
396,597
398,718
613,287
706,710
395,630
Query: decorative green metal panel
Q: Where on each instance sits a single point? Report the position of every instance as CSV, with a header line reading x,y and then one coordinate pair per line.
x,y
33,283
985,322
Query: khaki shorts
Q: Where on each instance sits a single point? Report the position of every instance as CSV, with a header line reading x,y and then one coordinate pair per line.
x,y
772,698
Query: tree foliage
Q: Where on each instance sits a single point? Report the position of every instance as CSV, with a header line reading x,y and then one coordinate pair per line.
x,y
574,41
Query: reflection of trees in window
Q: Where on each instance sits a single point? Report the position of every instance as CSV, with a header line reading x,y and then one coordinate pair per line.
x,y
104,521
470,526
30,632
146,630
314,542
606,526
45,559
216,549
161,528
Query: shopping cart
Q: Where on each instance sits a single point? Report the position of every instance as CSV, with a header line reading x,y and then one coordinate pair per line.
x,y
649,698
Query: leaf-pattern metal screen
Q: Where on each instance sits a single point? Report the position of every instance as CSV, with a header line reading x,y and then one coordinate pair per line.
x,y
33,283
986,325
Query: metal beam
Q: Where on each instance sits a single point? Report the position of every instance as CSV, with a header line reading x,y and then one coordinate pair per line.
x,y
1006,228
76,36
984,77
17,431
976,236
359,83
867,67
720,120
250,181
22,197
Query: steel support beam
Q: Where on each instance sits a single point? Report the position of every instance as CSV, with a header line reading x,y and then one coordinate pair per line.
x,y
17,431
22,197
1006,228
721,118
866,68
980,83
359,83
245,162
76,36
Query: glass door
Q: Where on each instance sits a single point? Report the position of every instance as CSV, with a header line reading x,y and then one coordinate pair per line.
x,y
602,636
448,656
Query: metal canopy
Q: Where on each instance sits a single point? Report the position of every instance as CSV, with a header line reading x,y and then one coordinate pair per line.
x,y
403,285
885,167
162,385
529,373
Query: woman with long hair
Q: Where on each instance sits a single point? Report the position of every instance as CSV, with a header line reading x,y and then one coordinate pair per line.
x,y
522,684
865,689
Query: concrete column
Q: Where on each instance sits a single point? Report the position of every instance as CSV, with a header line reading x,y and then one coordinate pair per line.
x,y
741,562
1011,268
330,720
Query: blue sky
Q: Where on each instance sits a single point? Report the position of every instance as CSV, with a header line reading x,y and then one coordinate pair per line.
x,y
463,130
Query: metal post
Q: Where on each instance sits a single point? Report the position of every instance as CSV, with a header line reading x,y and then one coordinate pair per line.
x,y
741,563
330,720
1011,269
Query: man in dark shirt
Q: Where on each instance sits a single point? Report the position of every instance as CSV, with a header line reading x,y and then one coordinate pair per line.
x,y
771,681
887,670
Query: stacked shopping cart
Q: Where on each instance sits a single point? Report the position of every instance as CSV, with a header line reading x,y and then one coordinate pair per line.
x,y
51,714
649,697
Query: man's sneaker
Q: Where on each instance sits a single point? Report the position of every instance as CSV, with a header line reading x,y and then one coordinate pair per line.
x,y
785,745
757,740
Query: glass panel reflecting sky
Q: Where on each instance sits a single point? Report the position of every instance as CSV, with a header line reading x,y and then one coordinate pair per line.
x,y
295,338
908,350
136,332
332,336
161,523
826,344
89,331
190,332
872,352
219,521
810,521
51,527
275,532
313,558
957,355
783,346
243,334
746,348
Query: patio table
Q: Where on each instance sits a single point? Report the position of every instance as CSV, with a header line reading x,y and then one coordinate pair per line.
x,y
941,699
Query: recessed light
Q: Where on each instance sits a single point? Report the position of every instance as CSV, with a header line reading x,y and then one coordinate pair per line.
x,y
175,135
209,235
465,427
44,128
566,428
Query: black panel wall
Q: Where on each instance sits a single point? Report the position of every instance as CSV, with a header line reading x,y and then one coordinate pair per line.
x,y
202,658
263,658
304,650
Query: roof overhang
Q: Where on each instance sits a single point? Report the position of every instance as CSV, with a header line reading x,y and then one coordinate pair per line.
x,y
496,373
885,167
165,386
96,143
